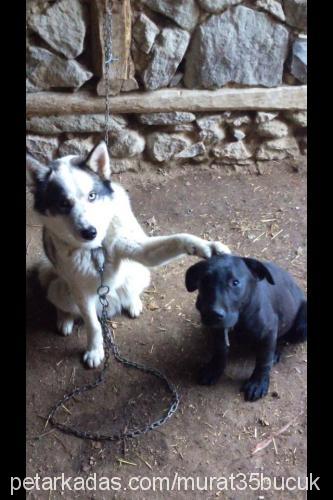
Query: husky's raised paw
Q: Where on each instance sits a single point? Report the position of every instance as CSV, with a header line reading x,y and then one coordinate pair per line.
x,y
219,248
196,246
203,249
94,357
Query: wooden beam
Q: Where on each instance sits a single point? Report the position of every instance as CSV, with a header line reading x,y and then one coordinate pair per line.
x,y
164,100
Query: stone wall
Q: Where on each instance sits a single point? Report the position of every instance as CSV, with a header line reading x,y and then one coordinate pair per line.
x,y
189,44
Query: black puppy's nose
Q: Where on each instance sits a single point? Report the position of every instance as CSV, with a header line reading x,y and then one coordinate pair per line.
x,y
218,314
89,233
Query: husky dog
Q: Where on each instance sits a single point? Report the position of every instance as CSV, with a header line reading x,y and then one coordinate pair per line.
x,y
81,211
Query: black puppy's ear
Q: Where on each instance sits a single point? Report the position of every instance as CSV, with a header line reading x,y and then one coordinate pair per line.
x,y
193,275
98,160
259,270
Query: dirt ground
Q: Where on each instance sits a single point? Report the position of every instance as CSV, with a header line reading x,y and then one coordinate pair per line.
x,y
215,431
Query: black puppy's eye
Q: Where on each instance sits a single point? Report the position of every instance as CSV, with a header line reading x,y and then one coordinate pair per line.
x,y
235,283
92,196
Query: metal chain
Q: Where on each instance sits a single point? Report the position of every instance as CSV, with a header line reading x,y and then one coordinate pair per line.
x,y
111,346
102,292
108,59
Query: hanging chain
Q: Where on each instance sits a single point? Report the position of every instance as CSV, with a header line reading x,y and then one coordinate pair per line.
x,y
108,59
98,259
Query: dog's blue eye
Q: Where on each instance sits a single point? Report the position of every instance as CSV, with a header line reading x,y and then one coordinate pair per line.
x,y
92,196
235,283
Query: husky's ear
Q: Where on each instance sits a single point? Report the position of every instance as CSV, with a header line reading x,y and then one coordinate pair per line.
x,y
194,274
259,270
98,160
36,171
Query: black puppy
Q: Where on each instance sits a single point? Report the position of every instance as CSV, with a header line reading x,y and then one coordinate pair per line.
x,y
258,300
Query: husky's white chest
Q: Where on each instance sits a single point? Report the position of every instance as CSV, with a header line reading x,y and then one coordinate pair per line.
x,y
78,267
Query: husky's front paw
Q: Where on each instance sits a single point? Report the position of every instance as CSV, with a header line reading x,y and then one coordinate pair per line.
x,y
94,357
196,246
204,249
135,308
218,248
65,323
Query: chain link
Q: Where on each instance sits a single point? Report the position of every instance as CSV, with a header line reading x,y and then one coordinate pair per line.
x,y
102,292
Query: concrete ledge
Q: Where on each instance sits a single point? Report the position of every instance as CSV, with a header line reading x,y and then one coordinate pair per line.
x,y
164,100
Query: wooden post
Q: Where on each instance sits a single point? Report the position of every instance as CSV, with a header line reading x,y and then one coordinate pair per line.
x,y
121,72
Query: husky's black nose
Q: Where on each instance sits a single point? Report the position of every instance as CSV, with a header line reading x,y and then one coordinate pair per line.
x,y
89,233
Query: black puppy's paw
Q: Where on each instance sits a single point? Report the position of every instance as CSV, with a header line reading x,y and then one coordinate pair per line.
x,y
277,357
209,374
255,389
